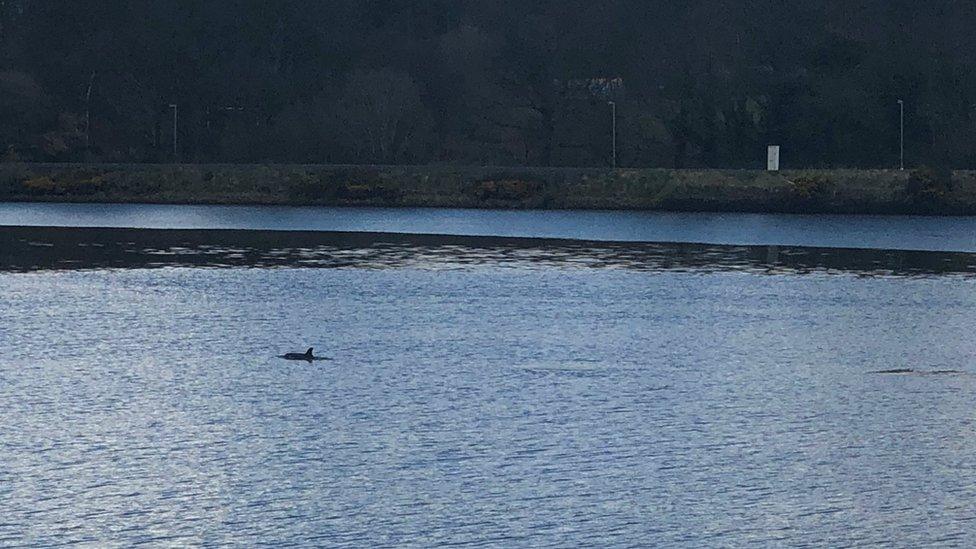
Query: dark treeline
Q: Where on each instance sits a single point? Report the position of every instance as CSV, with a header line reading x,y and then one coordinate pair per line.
x,y
696,83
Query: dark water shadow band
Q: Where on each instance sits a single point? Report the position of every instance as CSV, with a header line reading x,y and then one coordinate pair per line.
x,y
25,249
912,371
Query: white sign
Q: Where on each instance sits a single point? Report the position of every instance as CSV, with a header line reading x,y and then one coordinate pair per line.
x,y
772,158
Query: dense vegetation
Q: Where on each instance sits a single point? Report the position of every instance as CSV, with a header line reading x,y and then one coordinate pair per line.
x,y
503,82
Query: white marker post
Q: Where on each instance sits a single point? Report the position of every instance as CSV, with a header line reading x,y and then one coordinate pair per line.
x,y
772,158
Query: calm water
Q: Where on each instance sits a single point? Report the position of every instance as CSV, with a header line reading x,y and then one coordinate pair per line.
x,y
954,234
484,392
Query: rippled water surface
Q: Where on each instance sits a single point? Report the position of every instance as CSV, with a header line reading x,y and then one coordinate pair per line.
x,y
482,392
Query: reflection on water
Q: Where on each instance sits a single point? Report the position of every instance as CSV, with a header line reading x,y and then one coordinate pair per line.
x,y
50,248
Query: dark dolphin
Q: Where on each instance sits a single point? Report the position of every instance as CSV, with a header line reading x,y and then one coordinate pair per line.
x,y
306,356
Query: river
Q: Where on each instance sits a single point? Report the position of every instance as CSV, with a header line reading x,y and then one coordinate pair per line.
x,y
950,234
526,381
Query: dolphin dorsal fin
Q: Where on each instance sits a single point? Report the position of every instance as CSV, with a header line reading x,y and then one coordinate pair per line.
x,y
308,352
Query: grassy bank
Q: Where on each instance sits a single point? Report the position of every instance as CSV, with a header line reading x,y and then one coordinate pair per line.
x,y
810,191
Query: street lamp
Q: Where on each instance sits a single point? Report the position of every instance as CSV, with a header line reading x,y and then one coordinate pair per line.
x,y
88,96
176,110
901,105
613,109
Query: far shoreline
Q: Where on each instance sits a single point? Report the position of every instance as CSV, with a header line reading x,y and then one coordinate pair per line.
x,y
844,191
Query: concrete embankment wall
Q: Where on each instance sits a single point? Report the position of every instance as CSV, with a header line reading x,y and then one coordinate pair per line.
x,y
808,191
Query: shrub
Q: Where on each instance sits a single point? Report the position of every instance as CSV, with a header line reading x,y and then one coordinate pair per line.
x,y
340,185
11,156
813,187
11,181
508,189
66,183
929,186
368,192
43,185
306,187
124,184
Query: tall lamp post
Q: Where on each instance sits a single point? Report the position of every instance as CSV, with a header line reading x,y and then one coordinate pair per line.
x,y
613,110
88,96
901,105
176,110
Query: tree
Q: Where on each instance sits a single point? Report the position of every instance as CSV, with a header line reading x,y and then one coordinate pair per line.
x,y
468,81
382,117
